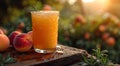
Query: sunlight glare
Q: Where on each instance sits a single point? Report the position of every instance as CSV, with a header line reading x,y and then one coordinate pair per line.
x,y
87,1
71,1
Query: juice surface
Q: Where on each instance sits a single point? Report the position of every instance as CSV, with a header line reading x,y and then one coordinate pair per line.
x,y
45,29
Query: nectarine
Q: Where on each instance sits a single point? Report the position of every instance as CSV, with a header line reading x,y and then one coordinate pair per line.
x,y
111,41
102,28
80,19
22,43
87,35
13,35
47,7
105,36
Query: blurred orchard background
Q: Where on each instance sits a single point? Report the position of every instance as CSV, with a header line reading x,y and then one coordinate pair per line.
x,y
84,24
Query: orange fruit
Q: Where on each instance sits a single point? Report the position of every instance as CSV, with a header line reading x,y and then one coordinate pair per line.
x,y
87,35
105,36
102,28
79,20
47,7
4,42
111,41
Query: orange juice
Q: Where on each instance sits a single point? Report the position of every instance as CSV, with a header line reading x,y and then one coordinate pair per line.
x,y
45,30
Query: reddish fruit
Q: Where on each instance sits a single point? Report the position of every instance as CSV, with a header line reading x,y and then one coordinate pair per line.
x,y
111,41
22,43
13,35
102,28
79,20
87,35
47,7
105,36
4,42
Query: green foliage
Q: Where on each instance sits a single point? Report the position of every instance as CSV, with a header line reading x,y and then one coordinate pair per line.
x,y
76,34
98,58
6,60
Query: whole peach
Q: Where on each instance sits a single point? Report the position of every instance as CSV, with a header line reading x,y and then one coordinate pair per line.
x,y
47,7
80,19
13,35
22,43
111,41
4,42
87,35
102,28
105,36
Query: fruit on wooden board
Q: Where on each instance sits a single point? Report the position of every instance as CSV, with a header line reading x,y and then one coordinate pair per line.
x,y
4,42
22,43
13,35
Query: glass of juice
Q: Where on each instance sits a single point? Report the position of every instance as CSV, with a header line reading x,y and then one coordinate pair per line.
x,y
45,30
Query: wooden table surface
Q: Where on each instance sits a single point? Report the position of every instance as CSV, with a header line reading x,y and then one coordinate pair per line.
x,y
67,57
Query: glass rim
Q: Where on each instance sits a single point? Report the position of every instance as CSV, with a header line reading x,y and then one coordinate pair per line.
x,y
44,11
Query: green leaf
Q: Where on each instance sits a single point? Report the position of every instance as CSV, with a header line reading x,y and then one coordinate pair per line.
x,y
100,60
6,60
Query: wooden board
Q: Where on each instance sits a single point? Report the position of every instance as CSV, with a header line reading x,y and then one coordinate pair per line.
x,y
69,56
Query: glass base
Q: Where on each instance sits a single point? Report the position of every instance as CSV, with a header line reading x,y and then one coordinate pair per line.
x,y
58,49
44,51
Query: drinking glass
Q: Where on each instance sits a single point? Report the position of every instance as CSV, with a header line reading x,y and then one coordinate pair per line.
x,y
45,30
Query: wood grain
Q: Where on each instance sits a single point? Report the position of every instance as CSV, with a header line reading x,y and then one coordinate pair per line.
x,y
69,56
